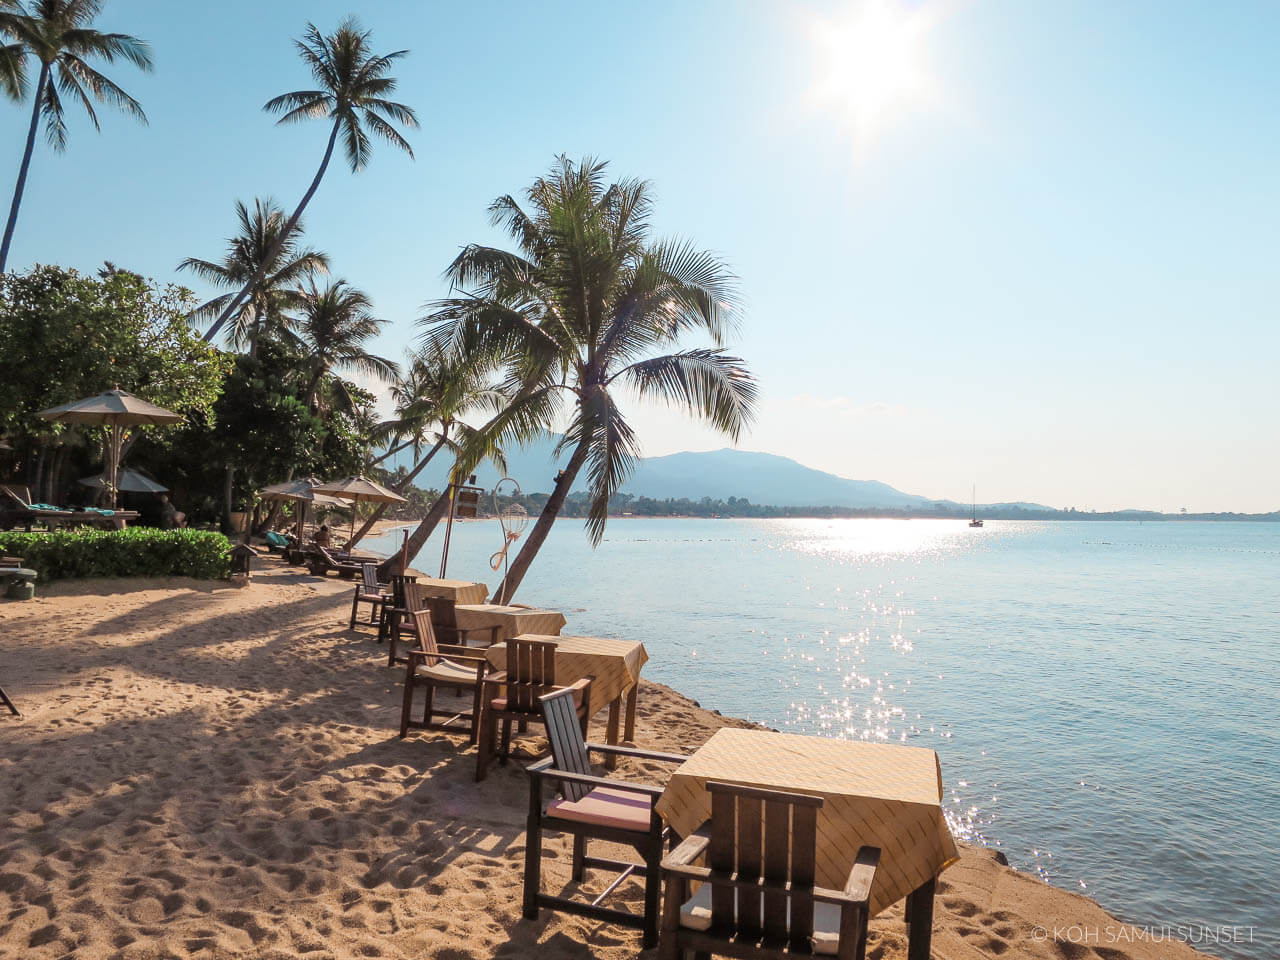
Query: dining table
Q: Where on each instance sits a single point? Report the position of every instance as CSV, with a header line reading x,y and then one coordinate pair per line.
x,y
490,623
875,794
459,591
614,667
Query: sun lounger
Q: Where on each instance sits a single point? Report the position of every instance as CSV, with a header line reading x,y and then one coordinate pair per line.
x,y
16,509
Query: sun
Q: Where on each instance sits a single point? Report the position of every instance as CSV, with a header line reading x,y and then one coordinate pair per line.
x,y
871,63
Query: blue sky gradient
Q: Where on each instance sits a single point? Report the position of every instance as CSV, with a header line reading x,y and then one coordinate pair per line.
x,y
1052,275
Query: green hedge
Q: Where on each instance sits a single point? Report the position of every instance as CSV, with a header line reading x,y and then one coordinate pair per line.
x,y
135,552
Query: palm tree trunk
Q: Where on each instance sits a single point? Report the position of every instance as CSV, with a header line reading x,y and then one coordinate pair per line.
x,y
258,274
398,488
418,539
390,453
507,588
22,170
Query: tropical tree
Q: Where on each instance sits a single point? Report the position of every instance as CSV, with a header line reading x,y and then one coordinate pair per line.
x,y
259,250
587,308
58,35
351,89
333,324
434,394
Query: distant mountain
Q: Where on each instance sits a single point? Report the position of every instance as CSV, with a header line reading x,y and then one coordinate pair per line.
x,y
762,478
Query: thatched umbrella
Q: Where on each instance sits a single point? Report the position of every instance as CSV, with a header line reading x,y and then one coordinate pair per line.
x,y
303,491
357,489
116,410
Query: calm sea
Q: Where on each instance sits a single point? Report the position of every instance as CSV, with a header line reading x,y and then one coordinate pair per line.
x,y
1104,697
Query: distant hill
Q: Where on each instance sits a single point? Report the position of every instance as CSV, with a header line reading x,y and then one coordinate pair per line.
x,y
762,478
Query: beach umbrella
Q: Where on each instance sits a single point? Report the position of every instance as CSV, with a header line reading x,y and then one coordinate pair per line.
x,y
130,481
303,491
115,410
357,489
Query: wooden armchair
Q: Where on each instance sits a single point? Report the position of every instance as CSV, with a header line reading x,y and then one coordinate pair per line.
x,y
754,900
402,619
530,675
434,665
369,591
394,611
592,808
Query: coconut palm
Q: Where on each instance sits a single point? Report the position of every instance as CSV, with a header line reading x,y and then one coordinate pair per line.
x,y
58,35
332,325
351,88
588,308
275,293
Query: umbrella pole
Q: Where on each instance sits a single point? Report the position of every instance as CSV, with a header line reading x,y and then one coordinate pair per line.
x,y
355,508
115,462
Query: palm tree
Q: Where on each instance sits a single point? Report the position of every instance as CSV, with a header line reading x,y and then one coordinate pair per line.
x,y
278,278
57,33
432,397
584,311
352,85
333,325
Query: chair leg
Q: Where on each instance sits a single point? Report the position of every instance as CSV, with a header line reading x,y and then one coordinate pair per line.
x,y
652,888
484,751
533,850
676,894
505,753
477,699
4,698
579,856
428,708
355,606
407,709
391,649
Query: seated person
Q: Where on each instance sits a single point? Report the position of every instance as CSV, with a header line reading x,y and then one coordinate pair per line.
x,y
321,537
171,518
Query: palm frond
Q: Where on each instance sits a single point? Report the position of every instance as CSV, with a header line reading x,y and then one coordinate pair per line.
x,y
707,383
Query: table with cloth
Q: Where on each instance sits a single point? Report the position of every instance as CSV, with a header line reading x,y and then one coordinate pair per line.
x,y
459,591
874,794
496,622
614,666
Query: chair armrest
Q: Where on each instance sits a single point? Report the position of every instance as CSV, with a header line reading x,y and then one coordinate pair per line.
x,y
633,752
857,889
647,789
496,679
455,650
691,848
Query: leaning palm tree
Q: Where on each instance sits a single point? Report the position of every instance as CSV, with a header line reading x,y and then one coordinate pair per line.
x,y
59,36
258,250
332,326
588,308
352,85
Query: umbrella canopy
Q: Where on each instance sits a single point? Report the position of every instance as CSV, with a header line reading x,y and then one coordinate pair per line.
x,y
130,481
359,488
299,490
356,489
115,409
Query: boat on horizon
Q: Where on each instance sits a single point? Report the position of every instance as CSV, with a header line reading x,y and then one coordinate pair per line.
x,y
974,521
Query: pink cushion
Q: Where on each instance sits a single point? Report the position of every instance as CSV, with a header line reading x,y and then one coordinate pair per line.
x,y
498,703
606,807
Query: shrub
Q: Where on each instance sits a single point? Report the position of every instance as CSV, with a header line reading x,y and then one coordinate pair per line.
x,y
134,552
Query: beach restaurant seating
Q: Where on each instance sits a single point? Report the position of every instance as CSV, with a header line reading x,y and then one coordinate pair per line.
x,y
592,808
369,591
433,665
394,611
402,621
530,675
754,899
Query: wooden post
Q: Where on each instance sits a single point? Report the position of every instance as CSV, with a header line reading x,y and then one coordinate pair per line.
x,y
920,921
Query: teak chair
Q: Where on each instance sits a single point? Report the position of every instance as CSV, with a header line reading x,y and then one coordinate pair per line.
x,y
530,675
394,611
402,619
592,808
742,876
434,665
369,591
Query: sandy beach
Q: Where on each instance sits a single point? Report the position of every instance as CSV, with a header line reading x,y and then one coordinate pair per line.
x,y
203,771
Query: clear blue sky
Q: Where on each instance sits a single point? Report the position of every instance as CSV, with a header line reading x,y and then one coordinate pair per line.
x,y
1030,246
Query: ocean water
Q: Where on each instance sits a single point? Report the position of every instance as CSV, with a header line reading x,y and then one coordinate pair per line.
x,y
1104,697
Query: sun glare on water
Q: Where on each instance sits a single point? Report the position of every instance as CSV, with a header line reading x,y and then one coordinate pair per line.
x,y
871,63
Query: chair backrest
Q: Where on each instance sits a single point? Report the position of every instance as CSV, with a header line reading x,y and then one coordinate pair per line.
x,y
751,830
411,597
397,589
326,556
531,673
426,634
369,574
568,745
18,492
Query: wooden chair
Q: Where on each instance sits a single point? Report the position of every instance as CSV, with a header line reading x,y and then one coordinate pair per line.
x,y
592,808
530,675
322,561
395,610
755,900
434,665
402,619
369,591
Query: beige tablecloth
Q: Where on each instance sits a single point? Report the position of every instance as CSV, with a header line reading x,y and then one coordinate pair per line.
x,y
510,621
615,664
459,591
876,794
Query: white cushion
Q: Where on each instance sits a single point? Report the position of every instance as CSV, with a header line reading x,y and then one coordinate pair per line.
x,y
695,913
449,672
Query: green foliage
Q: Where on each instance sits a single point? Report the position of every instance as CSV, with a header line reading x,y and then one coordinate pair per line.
x,y
65,335
135,552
